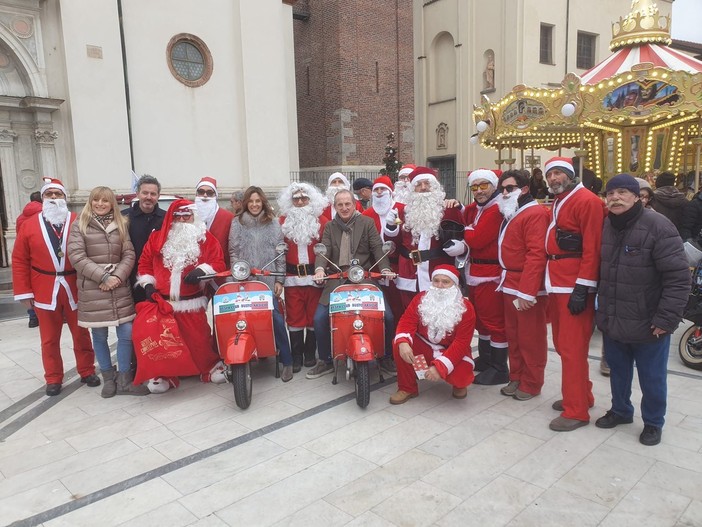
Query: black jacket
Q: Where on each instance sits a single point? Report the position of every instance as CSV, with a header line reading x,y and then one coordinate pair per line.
x,y
670,202
140,227
691,223
644,278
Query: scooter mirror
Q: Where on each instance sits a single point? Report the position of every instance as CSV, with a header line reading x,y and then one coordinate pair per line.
x,y
320,249
281,248
388,247
241,270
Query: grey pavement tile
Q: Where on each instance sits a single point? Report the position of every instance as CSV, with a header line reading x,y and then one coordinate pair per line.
x,y
151,437
318,514
171,514
418,504
370,519
364,493
647,506
35,457
265,415
679,457
96,436
692,517
215,434
33,501
674,479
202,420
494,505
556,508
175,448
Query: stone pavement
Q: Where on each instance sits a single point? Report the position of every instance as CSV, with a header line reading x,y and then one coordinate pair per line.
x,y
305,454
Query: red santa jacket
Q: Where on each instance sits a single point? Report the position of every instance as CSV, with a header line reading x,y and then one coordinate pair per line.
x,y
182,296
482,228
578,211
452,349
413,277
30,209
301,255
521,252
329,213
221,224
36,270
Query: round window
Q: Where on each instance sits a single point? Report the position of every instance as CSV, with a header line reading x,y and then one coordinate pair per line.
x,y
189,60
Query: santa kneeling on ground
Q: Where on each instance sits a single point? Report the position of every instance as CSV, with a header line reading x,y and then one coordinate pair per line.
x,y
170,268
438,325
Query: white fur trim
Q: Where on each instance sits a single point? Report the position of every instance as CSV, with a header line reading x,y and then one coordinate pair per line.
x,y
469,361
406,284
422,177
340,176
483,173
189,306
24,296
145,279
444,360
558,163
207,268
500,345
174,291
589,283
401,336
447,273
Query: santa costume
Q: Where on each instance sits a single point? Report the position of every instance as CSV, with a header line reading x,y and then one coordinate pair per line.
x,y
164,264
329,213
523,261
417,235
482,273
576,213
42,272
217,220
438,324
302,228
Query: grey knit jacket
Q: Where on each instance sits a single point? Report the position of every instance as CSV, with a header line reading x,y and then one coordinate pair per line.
x,y
255,242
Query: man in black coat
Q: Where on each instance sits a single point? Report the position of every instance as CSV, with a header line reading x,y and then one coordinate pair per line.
x,y
643,289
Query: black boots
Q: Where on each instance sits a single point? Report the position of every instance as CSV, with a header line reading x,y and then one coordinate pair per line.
x,y
497,371
310,349
297,347
482,361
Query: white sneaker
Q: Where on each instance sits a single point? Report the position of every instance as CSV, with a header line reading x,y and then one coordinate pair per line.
x,y
216,375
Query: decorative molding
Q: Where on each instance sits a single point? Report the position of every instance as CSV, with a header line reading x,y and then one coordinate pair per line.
x,y
442,136
45,137
7,136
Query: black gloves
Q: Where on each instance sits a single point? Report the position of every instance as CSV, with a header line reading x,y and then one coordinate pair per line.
x,y
193,277
149,290
578,299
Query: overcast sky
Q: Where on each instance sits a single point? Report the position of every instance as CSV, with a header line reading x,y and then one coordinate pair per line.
x,y
687,20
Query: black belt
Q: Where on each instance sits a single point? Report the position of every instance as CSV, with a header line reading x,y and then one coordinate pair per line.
x,y
54,273
300,270
418,256
484,261
562,256
513,270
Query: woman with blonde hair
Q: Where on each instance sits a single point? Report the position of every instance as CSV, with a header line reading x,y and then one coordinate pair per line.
x,y
102,254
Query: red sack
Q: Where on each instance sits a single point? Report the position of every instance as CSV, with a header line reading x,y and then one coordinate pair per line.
x,y
158,345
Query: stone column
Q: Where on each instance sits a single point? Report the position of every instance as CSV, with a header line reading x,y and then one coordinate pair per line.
x,y
47,153
9,178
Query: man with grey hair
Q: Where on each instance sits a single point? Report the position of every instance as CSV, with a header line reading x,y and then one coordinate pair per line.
x,y
237,201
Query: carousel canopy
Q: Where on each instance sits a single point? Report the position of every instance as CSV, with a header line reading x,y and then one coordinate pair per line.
x,y
657,55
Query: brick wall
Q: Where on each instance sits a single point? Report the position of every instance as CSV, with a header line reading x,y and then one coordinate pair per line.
x,y
349,93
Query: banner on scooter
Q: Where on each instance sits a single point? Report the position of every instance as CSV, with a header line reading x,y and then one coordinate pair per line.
x,y
366,300
243,301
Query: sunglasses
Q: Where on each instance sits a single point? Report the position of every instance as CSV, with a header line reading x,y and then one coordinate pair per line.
x,y
508,188
482,186
208,193
300,198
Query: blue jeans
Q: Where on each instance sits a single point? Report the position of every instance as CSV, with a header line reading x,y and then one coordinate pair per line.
x,y
322,331
281,336
652,366
124,347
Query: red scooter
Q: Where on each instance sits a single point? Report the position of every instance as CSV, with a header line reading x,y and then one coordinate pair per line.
x,y
356,319
243,321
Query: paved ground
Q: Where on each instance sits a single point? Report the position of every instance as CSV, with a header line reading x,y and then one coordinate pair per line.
x,y
305,454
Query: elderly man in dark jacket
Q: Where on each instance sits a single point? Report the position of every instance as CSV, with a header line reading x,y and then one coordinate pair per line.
x,y
644,286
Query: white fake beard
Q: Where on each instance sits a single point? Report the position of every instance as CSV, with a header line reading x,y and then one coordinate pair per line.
x,y
206,209
423,213
440,310
402,191
182,247
55,211
331,193
301,225
382,204
508,205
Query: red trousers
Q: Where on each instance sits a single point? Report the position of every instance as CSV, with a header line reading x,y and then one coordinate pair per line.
x,y
526,336
50,328
406,299
571,336
489,313
197,336
301,303
393,299
460,377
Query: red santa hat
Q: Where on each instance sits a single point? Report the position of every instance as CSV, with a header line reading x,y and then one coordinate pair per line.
x,y
210,182
406,170
484,174
339,175
53,183
422,174
383,182
563,163
179,207
446,270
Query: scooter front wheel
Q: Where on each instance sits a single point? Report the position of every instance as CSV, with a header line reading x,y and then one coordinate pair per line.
x,y
362,384
690,347
243,384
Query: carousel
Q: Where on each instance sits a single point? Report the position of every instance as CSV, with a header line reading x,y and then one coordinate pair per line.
x,y
638,111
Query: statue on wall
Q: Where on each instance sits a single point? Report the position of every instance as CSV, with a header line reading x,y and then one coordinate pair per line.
x,y
441,134
489,73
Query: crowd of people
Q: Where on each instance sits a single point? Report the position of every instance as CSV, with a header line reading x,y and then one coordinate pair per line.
x,y
504,265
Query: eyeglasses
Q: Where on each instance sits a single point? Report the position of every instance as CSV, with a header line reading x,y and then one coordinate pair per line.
x,y
300,198
482,186
508,188
208,193
53,194
644,197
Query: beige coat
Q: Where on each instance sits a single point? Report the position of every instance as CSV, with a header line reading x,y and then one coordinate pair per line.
x,y
90,254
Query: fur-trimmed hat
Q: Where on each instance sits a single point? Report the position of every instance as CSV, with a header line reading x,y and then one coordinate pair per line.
x,y
565,164
53,183
422,174
446,270
208,181
383,182
483,173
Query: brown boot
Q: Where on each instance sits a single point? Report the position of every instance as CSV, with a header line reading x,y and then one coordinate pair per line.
x,y
126,387
400,396
109,385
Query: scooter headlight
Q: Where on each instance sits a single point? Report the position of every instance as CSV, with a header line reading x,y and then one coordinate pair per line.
x,y
241,270
241,325
358,324
356,273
